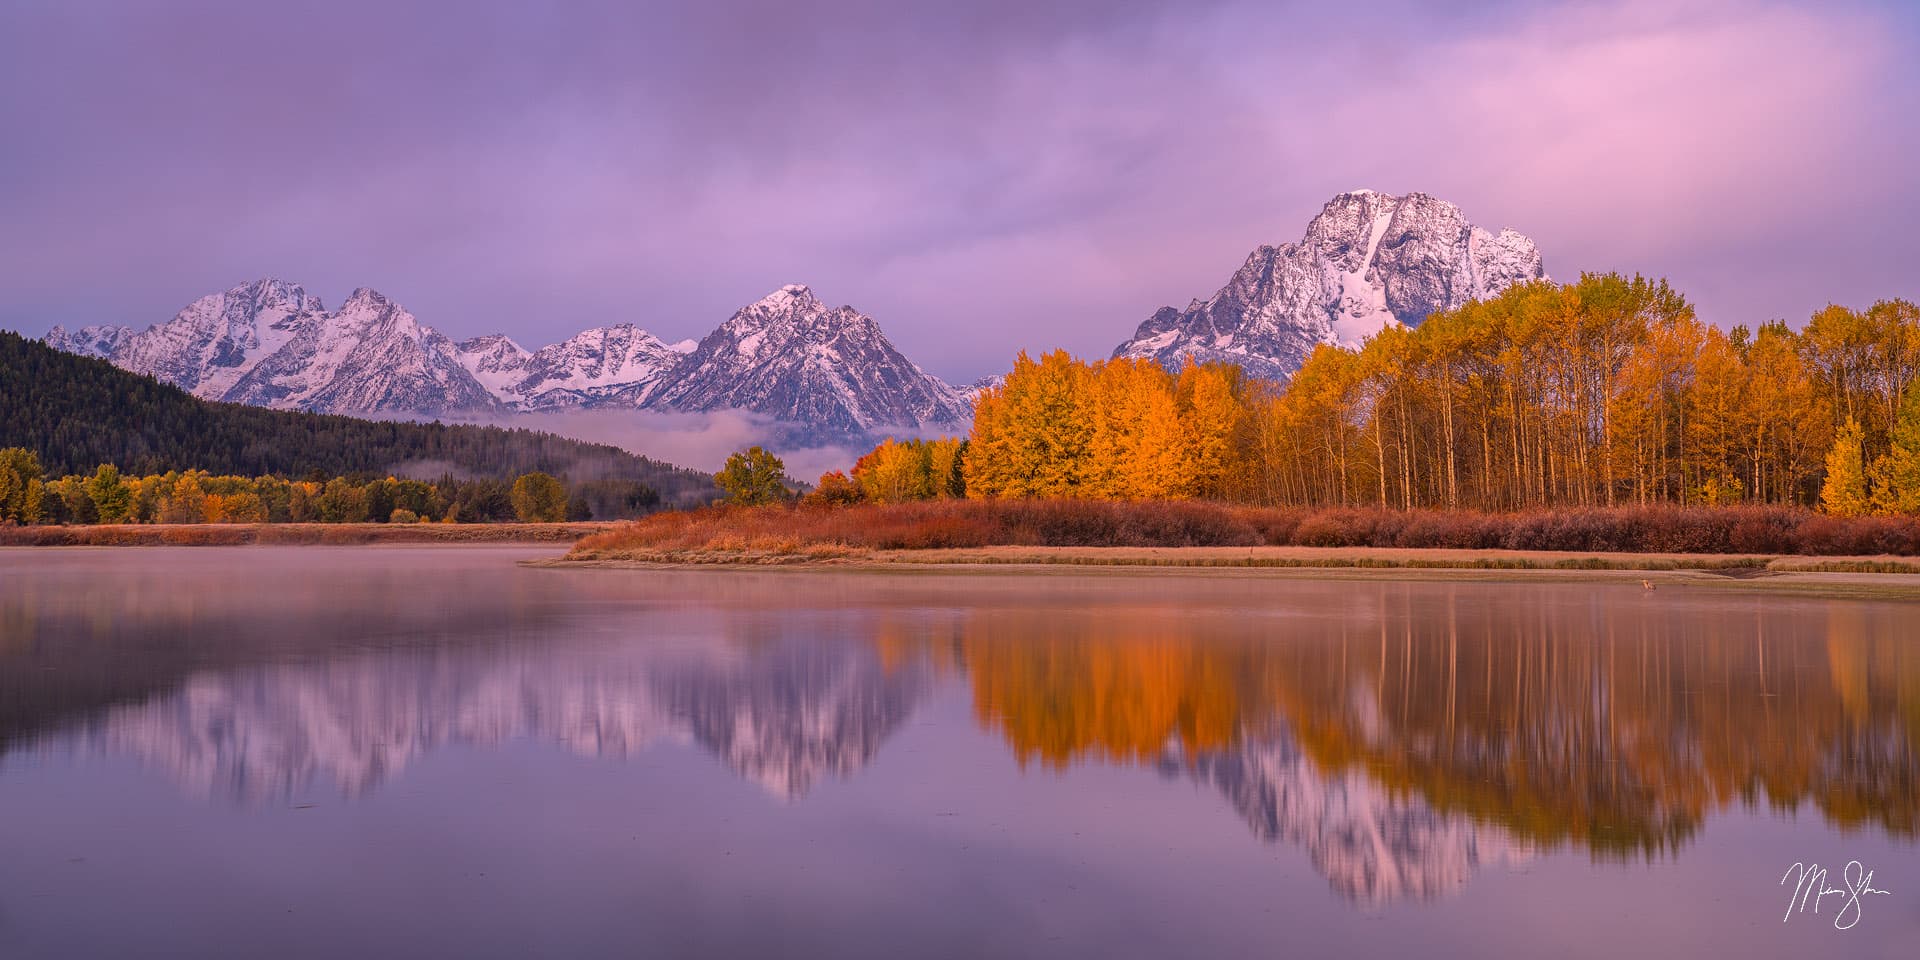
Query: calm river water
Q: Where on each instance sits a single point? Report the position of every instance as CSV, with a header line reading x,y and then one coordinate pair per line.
x,y
434,752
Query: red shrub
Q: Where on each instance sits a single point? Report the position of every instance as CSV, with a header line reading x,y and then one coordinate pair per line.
x,y
1073,523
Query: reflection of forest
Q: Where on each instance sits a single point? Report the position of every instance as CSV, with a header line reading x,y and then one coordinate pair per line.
x,y
1401,734
1618,727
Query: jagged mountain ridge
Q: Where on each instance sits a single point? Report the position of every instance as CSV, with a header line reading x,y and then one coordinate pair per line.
x,y
793,358
617,365
788,357
1368,260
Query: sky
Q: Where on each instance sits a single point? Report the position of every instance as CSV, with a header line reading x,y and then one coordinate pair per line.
x,y
981,177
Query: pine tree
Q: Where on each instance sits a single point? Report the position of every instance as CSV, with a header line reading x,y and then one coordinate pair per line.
x,y
1845,492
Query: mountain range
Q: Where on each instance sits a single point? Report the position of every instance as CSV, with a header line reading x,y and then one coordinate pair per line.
x,y
1368,260
788,358
76,413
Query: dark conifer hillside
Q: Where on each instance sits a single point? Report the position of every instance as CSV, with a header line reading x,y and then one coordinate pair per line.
x,y
78,412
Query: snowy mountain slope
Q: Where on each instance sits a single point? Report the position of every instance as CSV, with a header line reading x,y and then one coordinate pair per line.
x,y
1368,260
270,343
830,372
495,361
98,340
211,344
370,355
793,358
621,365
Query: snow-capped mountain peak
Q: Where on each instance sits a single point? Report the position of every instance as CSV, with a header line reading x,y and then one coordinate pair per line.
x,y
791,357
791,293
211,344
1369,260
370,355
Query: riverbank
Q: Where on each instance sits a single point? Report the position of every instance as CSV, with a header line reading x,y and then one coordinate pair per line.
x,y
294,534
1862,577
1324,558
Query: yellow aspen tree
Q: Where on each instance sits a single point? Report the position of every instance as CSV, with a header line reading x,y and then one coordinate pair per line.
x,y
987,468
1845,491
1208,414
1896,474
1717,421
944,457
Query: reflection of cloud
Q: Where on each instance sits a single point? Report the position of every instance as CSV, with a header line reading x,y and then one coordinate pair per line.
x,y
782,718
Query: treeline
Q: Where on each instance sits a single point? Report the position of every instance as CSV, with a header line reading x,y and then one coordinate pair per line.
x,y
196,496
76,413
1600,393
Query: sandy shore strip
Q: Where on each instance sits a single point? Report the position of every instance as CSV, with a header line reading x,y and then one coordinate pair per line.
x,y
1867,577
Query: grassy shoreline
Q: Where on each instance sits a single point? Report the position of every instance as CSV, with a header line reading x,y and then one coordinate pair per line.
x,y
1310,558
1729,542
294,534
1858,578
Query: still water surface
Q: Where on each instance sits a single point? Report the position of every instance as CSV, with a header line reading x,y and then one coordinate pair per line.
x,y
423,752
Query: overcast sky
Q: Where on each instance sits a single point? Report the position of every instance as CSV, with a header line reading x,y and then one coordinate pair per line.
x,y
980,176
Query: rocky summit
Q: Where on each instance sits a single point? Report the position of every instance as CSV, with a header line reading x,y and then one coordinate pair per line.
x,y
1367,261
793,358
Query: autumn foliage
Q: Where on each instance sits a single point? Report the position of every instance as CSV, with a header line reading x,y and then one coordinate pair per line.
x,y
1606,392
106,496
1565,723
955,523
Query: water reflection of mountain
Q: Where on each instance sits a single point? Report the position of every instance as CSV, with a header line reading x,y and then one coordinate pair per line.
x,y
1402,735
786,717
782,717
1372,845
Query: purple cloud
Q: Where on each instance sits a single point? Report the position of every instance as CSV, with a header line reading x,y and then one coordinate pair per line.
x,y
980,177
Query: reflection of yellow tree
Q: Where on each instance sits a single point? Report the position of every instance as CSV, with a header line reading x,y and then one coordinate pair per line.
x,y
1117,685
16,627
1618,729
